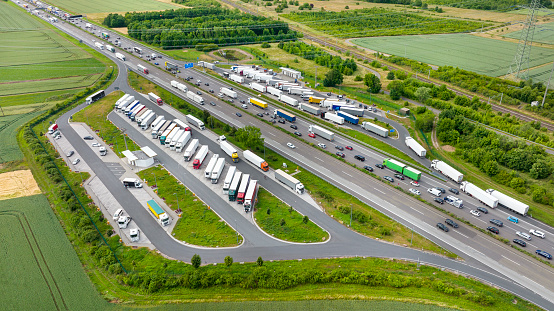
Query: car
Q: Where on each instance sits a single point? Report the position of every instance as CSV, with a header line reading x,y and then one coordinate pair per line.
x,y
76,161
260,115
339,148
359,157
292,126
266,113
455,191
272,121
496,222
329,94
57,136
340,154
543,254
414,183
442,227
399,176
520,242
523,235
212,103
414,191
493,230
206,84
475,213
513,219
298,134
211,91
320,145
483,210
281,121
305,99
312,135
440,189
238,114
156,63
198,92
439,200
388,178
70,153
451,222
88,138
368,168
291,145
231,101
537,233
349,147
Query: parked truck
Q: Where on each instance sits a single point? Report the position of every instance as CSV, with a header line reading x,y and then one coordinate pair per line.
x,y
359,112
348,117
251,196
52,128
157,121
120,56
191,149
158,128
211,165
143,69
454,201
129,107
143,116
258,103
238,79
318,130
159,213
195,97
290,181
315,110
195,121
296,91
125,103
374,128
132,183
176,138
136,111
179,86
182,124
234,187
228,92
241,192
218,170
447,170
333,118
155,98
229,179
412,173
121,100
509,202
285,115
171,67
258,87
416,147
182,141
315,100
479,194
200,157
256,160
165,134
289,100
140,114
229,150
273,91
147,121
394,165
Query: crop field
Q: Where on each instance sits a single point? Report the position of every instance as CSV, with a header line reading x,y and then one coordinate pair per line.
x,y
541,74
9,125
543,34
481,55
40,270
107,6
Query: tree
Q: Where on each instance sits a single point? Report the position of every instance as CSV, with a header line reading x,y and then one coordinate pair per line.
x,y
251,136
390,75
266,45
491,168
196,261
260,261
540,170
114,20
333,78
423,94
396,89
228,261
372,82
305,219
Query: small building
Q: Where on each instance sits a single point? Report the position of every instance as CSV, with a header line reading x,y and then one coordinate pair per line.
x,y
141,158
404,112
295,74
534,104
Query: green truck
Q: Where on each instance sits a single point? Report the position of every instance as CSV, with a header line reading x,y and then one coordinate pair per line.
x,y
407,171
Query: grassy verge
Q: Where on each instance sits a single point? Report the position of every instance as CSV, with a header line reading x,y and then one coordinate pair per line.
x,y
95,115
283,222
198,224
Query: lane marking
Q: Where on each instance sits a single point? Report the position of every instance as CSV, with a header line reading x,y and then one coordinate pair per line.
x,y
511,260
347,173
319,159
379,190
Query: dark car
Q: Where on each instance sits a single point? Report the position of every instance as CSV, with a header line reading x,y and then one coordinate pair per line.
x,y
388,178
88,138
441,189
349,147
281,121
260,115
207,84
242,101
520,242
359,157
339,148
369,168
496,222
340,154
70,153
439,200
298,134
442,227
483,210
292,126
212,103
211,91
238,114
379,165
198,92
451,222
399,176
455,191
543,254
493,230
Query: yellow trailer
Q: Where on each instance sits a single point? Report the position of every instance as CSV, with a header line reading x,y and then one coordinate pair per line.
x,y
258,103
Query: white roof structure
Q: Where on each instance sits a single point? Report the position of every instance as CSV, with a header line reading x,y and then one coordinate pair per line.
x,y
148,151
129,155
141,158
291,73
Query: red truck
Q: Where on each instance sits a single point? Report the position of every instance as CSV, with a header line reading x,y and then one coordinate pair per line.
x,y
200,157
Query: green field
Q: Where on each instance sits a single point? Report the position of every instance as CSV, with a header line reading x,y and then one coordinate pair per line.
x,y
9,125
481,55
543,33
34,98
107,6
40,270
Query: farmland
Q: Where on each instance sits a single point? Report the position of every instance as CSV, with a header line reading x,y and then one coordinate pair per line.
x,y
107,6
9,125
543,34
481,55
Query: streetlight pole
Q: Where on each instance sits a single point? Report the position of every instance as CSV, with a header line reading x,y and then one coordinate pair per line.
x,y
124,138
350,215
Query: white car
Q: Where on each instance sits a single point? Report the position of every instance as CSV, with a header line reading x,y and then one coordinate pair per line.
x,y
524,235
414,183
118,214
291,145
475,213
320,145
537,233
414,191
76,161
96,145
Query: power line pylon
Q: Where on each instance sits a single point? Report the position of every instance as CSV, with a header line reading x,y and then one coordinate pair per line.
x,y
520,66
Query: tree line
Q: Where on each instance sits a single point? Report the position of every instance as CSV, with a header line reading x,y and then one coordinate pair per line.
x,y
492,5
320,56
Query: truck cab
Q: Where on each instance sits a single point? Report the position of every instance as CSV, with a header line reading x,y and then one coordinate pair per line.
x,y
135,235
103,151
123,221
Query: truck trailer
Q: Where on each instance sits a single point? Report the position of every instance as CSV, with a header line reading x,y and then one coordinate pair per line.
x,y
158,128
129,107
273,91
241,192
316,100
402,168
359,112
195,121
509,202
94,97
290,181
289,100
132,183
258,87
479,194
256,160
143,116
228,92
333,118
143,69
296,91
148,121
176,138
285,115
182,142
374,128
191,149
229,179
155,98
125,99
110,48
200,157
211,165
315,110
195,97
120,56
159,213
238,79
182,124
218,170
157,121
99,45
416,147
447,170
318,130
234,187
229,150
258,103
171,67
348,117
165,134
251,196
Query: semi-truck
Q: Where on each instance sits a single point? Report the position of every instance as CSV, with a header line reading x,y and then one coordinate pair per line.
x,y
125,103
157,121
176,138
285,115
258,87
182,124
258,103
195,121
158,128
296,91
374,128
263,78
333,118
110,48
229,150
120,56
137,50
416,147
99,45
241,192
447,170
182,142
234,187
256,160
167,140
137,111
143,116
140,114
200,157
479,194
316,100
228,92
509,202
402,168
273,91
311,109
52,128
359,112
143,69
348,117
171,67
218,170
166,133
195,97
179,86
211,165
229,179
129,107
289,100
454,201
132,183
191,149
206,65
155,98
318,130
251,195
290,181
148,121
94,97
238,79
159,213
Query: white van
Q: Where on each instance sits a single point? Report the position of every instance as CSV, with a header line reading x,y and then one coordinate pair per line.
x,y
244,106
323,146
434,191
118,214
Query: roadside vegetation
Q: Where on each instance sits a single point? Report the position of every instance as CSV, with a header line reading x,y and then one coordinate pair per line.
x,y
283,222
197,223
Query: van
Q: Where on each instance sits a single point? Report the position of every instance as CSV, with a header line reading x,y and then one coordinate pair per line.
x,y
118,214
513,219
244,106
434,191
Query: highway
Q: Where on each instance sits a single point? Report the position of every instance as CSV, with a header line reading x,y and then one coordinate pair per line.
x,y
492,257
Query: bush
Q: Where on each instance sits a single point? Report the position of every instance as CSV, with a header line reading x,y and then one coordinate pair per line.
x,y
228,261
305,219
266,45
260,261
196,261
358,78
390,75
282,222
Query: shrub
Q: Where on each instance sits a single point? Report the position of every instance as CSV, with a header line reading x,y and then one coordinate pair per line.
x,y
196,261
228,261
260,261
305,219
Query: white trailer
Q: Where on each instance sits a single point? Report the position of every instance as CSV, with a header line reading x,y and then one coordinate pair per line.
x,y
228,92
229,179
331,102
447,170
296,91
217,170
120,56
182,87
174,83
290,181
258,87
509,202
263,78
146,122
317,130
159,127
195,97
210,166
359,112
175,138
416,147
124,103
110,48
157,121
273,91
191,149
120,100
195,121
169,138
236,78
140,116
374,128
311,109
182,142
288,100
130,106
334,118
479,194
99,45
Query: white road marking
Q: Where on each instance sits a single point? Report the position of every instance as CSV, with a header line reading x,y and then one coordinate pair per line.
x,y
511,260
465,236
347,173
319,159
416,210
379,190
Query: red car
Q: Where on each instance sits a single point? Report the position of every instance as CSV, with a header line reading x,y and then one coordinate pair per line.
x,y
340,154
349,147
312,135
